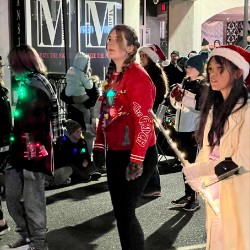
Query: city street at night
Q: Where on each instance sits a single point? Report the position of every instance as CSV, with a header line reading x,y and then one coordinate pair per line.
x,y
80,217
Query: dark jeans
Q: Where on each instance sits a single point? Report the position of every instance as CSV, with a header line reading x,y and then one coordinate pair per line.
x,y
3,156
186,143
81,174
125,195
76,115
154,183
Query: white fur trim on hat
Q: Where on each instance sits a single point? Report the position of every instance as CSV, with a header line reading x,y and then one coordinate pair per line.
x,y
165,63
232,56
153,56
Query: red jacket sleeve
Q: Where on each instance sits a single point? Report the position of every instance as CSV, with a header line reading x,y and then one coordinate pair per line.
x,y
141,95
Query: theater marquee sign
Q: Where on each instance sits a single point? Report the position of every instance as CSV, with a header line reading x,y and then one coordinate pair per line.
x,y
60,28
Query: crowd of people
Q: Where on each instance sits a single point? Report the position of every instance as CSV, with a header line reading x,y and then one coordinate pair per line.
x,y
111,131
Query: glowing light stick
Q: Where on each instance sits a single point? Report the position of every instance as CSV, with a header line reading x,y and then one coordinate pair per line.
x,y
203,192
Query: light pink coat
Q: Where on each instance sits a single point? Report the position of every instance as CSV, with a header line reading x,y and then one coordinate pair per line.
x,y
235,191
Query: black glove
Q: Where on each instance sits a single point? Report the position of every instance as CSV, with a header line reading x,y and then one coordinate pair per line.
x,y
99,158
225,166
133,171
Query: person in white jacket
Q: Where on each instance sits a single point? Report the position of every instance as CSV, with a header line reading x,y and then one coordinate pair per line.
x,y
186,99
224,133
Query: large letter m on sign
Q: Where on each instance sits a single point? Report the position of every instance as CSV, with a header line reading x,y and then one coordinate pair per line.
x,y
49,23
100,17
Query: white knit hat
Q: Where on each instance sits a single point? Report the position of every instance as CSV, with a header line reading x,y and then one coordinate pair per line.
x,y
237,55
153,51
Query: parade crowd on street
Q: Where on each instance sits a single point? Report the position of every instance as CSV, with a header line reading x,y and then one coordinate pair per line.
x,y
109,130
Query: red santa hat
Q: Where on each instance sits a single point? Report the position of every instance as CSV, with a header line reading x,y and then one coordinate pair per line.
x,y
237,55
154,52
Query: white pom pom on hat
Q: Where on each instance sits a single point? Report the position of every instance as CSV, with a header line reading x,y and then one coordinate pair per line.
x,y
165,63
154,52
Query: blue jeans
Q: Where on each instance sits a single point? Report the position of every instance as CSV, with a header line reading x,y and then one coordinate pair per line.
x,y
26,203
125,195
3,156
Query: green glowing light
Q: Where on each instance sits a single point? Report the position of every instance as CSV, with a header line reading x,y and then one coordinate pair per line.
x,y
83,150
22,92
12,138
17,113
111,93
23,78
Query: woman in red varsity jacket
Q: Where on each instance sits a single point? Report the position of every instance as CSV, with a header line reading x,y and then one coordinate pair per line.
x,y
126,132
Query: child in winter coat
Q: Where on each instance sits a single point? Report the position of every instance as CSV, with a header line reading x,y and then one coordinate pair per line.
x,y
186,99
71,151
93,105
78,80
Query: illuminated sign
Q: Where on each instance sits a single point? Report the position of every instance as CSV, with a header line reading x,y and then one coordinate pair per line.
x,y
163,7
98,18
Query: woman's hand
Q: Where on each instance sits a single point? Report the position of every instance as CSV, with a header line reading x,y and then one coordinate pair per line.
x,y
133,171
196,184
200,169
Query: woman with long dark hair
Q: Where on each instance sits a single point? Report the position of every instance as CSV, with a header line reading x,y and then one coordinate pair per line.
x,y
224,134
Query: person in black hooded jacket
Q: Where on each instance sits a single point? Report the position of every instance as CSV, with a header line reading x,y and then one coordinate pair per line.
x,y
150,56
5,132
186,98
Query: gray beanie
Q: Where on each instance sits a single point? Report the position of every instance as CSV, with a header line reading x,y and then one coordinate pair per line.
x,y
72,126
196,62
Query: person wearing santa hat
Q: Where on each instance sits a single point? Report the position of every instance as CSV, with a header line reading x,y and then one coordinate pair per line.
x,y
224,136
150,55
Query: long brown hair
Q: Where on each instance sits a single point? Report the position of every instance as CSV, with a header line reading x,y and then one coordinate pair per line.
x,y
24,58
132,39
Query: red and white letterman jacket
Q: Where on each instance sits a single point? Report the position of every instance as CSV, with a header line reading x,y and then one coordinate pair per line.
x,y
125,121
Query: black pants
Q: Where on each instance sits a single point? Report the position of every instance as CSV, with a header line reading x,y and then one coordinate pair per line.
x,y
154,183
187,144
125,195
76,115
